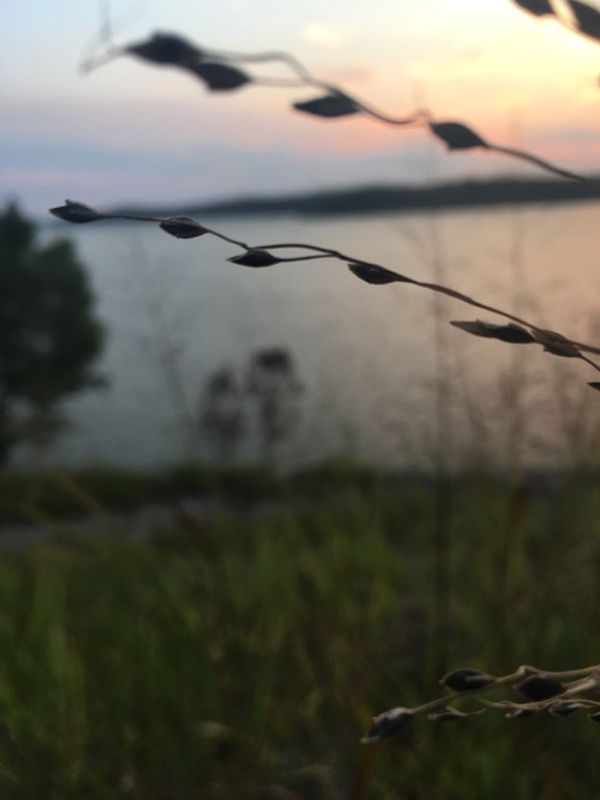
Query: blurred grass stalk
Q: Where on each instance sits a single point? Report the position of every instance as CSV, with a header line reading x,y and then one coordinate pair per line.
x,y
443,456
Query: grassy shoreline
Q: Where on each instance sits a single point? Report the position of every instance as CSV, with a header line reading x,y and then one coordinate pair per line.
x,y
242,655
62,493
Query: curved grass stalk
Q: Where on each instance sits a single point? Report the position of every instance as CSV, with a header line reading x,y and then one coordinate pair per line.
x,y
559,697
304,77
552,341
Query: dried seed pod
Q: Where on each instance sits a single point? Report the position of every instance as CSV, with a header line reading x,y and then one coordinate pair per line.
x,y
537,7
182,227
588,18
166,48
565,708
388,724
556,343
512,333
220,77
334,104
75,212
540,687
456,135
376,275
255,258
466,679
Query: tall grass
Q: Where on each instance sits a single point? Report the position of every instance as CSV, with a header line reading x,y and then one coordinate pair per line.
x,y
242,656
245,652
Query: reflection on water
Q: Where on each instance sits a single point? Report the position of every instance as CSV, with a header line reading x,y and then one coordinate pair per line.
x,y
367,357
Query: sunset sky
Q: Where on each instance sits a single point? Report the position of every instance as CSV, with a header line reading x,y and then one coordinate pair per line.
x,y
131,132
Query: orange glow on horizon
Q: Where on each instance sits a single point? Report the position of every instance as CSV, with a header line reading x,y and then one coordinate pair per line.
x,y
516,80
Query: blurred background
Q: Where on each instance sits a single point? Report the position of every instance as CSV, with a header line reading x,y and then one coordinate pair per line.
x,y
243,510
130,136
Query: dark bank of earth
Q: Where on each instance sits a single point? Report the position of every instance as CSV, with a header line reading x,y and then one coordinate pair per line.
x,y
375,199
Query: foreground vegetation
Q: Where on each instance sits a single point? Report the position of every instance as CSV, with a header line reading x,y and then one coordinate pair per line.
x,y
242,653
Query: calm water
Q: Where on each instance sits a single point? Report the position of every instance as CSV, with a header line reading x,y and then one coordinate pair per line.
x,y
376,385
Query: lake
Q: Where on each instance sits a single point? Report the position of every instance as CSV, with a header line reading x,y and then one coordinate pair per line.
x,y
385,378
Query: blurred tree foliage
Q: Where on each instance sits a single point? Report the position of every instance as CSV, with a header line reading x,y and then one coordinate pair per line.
x,y
49,335
272,382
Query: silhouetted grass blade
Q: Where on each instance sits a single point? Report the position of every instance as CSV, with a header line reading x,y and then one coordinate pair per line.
x,y
220,77
75,212
588,18
371,273
537,7
255,258
456,135
167,49
512,333
182,227
335,104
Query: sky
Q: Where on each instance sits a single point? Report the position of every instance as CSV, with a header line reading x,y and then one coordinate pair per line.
x,y
133,133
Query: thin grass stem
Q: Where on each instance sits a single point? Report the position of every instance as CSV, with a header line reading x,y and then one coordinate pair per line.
x,y
349,259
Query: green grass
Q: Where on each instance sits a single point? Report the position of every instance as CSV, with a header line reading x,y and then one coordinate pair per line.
x,y
29,494
233,657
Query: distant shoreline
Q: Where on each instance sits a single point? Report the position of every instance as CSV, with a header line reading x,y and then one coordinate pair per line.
x,y
380,198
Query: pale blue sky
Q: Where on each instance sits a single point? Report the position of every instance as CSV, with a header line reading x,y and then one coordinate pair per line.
x,y
131,132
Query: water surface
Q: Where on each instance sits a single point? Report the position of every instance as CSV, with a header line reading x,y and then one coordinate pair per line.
x,y
380,383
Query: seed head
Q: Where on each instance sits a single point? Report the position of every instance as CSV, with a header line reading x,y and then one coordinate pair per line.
x,y
220,77
182,227
540,687
374,274
255,258
457,136
75,212
466,679
566,708
166,48
388,724
334,104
